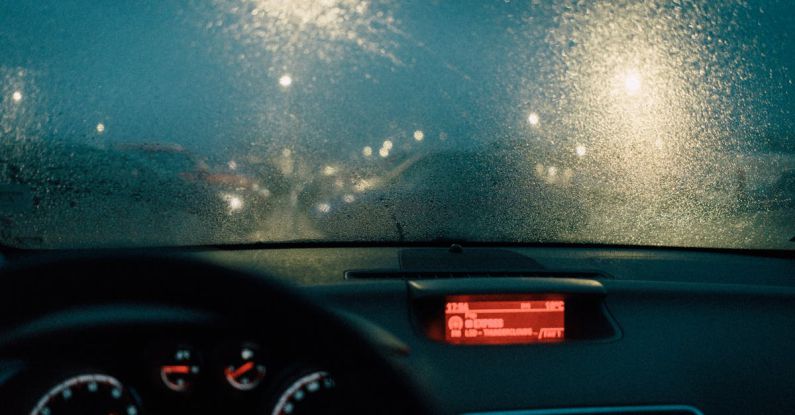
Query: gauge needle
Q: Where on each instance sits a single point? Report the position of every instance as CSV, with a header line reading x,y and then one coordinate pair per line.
x,y
176,369
234,374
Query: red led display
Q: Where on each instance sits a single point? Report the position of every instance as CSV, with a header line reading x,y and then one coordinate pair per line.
x,y
503,320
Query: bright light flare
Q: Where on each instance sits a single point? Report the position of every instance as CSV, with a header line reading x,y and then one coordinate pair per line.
x,y
365,184
234,202
287,30
580,150
385,149
16,96
329,170
533,119
632,83
100,128
285,81
419,135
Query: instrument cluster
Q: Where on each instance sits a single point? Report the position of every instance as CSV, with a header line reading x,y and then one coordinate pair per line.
x,y
237,377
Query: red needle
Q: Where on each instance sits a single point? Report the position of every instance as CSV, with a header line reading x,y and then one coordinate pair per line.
x,y
239,371
176,369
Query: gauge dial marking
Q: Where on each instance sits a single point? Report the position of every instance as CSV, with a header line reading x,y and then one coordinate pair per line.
x,y
305,395
102,392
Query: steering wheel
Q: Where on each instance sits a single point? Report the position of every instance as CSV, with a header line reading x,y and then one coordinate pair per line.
x,y
50,300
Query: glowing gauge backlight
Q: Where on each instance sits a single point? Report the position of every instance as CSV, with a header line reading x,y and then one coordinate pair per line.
x,y
246,370
492,319
91,394
309,394
181,371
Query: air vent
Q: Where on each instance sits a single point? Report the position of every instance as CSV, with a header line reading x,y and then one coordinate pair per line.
x,y
432,275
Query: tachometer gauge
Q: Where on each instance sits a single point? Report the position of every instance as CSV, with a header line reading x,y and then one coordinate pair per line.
x,y
92,394
309,394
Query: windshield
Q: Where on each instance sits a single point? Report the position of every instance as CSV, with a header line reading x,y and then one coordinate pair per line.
x,y
215,122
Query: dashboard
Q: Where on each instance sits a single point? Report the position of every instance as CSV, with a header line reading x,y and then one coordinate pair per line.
x,y
186,371
481,330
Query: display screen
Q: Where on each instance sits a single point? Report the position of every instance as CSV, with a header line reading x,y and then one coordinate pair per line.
x,y
495,319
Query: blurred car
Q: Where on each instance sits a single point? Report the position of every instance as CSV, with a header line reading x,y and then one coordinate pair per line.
x,y
157,187
480,193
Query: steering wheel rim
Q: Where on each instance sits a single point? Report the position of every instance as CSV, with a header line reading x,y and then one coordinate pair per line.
x,y
34,287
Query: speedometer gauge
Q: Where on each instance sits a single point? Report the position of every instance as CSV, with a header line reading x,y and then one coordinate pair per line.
x,y
309,394
92,394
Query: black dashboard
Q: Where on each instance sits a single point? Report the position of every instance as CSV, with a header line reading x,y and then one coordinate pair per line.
x,y
647,331
178,365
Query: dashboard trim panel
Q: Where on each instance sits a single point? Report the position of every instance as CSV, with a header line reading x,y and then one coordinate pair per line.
x,y
597,410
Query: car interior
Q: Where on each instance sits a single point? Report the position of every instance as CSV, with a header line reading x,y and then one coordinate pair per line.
x,y
508,207
646,331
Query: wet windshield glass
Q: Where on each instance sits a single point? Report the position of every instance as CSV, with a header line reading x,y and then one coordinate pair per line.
x,y
182,123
